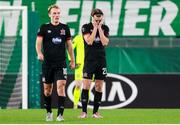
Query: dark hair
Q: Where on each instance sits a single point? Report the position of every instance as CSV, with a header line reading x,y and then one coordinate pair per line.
x,y
52,6
97,12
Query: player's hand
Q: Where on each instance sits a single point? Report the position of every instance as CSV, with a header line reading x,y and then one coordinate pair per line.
x,y
100,24
77,65
72,64
40,57
95,24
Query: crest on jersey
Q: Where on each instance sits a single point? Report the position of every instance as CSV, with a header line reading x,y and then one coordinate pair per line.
x,y
43,79
49,31
62,32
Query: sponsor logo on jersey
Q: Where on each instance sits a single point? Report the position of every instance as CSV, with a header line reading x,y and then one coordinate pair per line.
x,y
56,40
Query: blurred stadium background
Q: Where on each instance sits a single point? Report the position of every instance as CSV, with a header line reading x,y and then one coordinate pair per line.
x,y
144,48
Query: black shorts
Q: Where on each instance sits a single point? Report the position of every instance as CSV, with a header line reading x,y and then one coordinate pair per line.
x,y
98,68
53,72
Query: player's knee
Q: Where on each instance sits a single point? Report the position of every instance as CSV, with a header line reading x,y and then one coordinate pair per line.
x,y
61,85
61,82
98,86
78,84
61,89
47,92
86,86
78,87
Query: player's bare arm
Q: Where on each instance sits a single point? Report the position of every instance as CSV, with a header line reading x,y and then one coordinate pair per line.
x,y
103,38
71,54
40,55
89,38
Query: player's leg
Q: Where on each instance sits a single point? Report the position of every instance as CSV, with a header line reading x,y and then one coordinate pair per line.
x,y
88,70
47,79
97,98
85,97
100,75
77,93
78,83
61,99
47,101
61,76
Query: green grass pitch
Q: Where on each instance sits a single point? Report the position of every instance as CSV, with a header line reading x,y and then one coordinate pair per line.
x,y
115,116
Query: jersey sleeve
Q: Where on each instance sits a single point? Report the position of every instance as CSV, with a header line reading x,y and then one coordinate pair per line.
x,y
106,31
41,31
68,34
85,29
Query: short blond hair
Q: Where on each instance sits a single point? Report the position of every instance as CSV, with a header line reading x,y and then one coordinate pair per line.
x,y
53,6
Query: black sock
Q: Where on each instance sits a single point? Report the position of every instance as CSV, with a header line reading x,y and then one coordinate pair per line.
x,y
84,99
47,103
97,101
61,101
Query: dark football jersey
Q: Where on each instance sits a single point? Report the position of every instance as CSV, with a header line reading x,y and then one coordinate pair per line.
x,y
96,51
54,39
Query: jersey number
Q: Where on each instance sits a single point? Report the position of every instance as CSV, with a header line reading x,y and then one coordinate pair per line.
x,y
104,71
